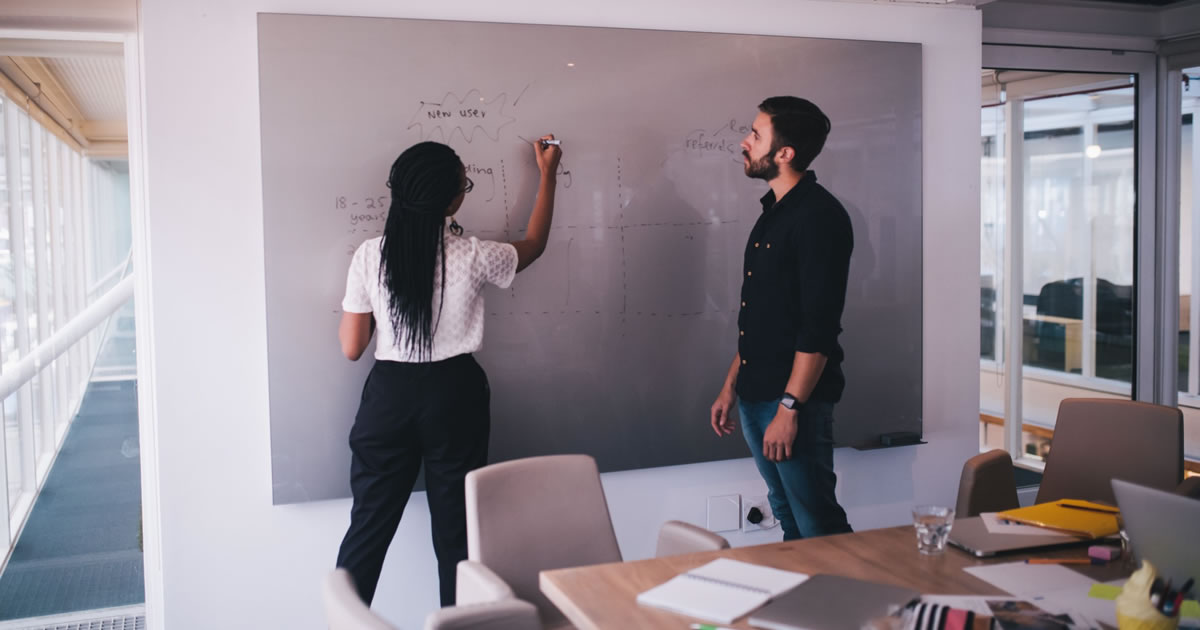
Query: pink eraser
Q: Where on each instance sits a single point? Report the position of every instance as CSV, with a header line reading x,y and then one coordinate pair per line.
x,y
1104,552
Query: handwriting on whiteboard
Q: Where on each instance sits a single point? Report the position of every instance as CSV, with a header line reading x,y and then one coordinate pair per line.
x,y
724,139
464,115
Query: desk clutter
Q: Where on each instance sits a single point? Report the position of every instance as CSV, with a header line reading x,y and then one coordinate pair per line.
x,y
883,583
1045,595
1147,601
1078,518
1045,525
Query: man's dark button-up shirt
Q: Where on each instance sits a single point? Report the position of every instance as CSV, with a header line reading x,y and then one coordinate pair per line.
x,y
793,290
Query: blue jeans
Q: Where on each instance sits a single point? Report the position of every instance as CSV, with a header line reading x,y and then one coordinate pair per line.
x,y
800,489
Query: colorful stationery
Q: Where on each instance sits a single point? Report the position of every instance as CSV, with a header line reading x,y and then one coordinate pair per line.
x,y
1081,518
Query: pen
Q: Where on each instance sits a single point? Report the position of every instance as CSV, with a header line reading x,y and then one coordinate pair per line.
x,y
1187,586
1059,561
557,143
1173,605
1167,597
704,626
1102,510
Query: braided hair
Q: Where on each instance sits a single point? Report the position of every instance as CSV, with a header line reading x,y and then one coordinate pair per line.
x,y
424,180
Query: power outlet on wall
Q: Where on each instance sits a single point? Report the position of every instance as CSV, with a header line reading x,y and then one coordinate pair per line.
x,y
724,512
758,502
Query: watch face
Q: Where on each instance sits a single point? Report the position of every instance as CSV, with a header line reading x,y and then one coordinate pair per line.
x,y
788,401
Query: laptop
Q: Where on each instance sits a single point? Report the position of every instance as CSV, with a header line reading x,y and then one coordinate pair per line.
x,y
1163,528
831,602
972,536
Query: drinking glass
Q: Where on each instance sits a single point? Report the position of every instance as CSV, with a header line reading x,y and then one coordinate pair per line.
x,y
933,523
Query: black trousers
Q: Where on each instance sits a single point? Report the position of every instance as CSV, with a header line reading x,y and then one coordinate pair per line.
x,y
414,413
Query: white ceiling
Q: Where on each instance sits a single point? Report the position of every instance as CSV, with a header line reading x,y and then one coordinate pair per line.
x,y
95,84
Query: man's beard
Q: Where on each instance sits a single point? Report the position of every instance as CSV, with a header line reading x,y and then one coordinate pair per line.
x,y
763,168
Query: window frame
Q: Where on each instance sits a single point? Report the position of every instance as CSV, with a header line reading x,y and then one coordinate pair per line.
x,y
1151,347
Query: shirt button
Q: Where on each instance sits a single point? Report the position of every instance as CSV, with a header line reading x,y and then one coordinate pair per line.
x,y
749,273
742,333
743,303
743,362
756,245
768,246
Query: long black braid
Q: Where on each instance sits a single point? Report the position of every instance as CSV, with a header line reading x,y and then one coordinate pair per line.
x,y
424,180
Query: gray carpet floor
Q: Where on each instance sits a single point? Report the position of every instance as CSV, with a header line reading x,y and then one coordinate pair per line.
x,y
79,550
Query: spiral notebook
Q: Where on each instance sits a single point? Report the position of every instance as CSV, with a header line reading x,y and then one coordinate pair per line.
x,y
721,590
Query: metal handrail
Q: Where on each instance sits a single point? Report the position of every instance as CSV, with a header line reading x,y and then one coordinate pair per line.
x,y
116,270
16,376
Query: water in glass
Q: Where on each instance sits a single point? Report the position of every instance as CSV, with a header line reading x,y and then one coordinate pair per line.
x,y
933,523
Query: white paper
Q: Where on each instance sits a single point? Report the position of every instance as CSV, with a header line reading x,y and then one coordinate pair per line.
x,y
769,579
1074,598
721,590
1031,581
711,601
997,525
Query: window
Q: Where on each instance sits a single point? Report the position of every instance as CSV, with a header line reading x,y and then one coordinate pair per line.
x,y
43,270
1074,164
1189,261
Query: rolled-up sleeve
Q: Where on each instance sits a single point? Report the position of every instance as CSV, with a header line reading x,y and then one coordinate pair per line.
x,y
824,243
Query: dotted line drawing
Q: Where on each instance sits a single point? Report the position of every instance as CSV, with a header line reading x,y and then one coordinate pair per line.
x,y
569,241
504,185
624,274
512,291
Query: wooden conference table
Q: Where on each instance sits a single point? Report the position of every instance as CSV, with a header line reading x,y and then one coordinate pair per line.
x,y
604,595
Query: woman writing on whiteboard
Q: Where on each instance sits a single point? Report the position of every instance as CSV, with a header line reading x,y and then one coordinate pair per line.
x,y
426,399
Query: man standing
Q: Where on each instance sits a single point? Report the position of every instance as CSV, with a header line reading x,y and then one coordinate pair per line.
x,y
787,373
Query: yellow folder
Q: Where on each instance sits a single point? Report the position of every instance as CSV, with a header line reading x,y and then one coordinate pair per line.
x,y
1081,518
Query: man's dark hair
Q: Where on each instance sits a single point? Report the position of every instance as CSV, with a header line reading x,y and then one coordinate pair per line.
x,y
796,123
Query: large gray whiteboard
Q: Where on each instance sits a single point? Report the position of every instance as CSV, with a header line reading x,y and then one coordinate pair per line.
x,y
616,342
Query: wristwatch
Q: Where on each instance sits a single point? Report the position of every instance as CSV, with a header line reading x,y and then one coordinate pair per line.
x,y
789,401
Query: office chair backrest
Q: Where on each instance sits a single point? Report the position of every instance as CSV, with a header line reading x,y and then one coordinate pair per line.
x,y
1061,298
1097,440
1189,488
987,484
344,610
677,537
528,515
505,614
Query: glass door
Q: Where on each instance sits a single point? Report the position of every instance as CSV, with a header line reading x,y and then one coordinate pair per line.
x,y
1062,267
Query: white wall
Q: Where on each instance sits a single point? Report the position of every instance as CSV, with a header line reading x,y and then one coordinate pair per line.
x,y
108,16
227,556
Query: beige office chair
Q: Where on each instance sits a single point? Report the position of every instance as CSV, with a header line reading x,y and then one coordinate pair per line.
x,y
677,537
987,484
539,513
508,614
344,610
1097,440
1189,487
